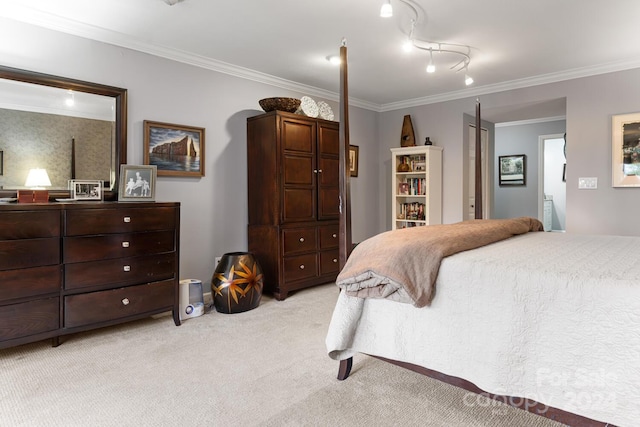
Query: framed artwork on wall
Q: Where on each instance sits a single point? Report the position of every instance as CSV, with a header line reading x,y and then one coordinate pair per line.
x,y
176,150
353,160
512,170
137,183
625,150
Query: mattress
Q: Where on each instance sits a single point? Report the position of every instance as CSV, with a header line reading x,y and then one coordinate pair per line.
x,y
552,317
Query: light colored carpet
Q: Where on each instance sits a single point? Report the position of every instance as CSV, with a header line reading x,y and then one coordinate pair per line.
x,y
264,367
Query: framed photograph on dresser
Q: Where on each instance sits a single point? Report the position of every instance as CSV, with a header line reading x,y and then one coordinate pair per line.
x,y
137,183
85,190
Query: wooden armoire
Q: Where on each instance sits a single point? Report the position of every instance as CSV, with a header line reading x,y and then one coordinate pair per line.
x,y
293,191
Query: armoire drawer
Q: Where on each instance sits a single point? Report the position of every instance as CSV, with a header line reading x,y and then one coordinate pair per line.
x,y
89,248
125,220
29,318
296,240
329,262
300,267
120,271
29,282
328,236
105,306
15,254
29,224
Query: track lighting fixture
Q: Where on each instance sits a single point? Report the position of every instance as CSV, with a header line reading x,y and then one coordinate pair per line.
x,y
386,11
431,68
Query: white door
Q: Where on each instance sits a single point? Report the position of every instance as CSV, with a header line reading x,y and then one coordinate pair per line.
x,y
484,138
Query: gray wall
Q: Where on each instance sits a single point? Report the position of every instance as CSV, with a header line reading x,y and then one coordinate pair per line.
x,y
213,218
517,201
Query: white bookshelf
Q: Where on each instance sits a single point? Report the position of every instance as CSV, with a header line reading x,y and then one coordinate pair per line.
x,y
417,192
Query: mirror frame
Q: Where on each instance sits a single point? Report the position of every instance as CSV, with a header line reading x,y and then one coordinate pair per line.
x,y
119,95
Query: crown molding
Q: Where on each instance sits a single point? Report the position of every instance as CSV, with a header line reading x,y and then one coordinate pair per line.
x,y
530,121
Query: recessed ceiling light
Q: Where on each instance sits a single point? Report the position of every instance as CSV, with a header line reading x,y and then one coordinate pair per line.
x,y
333,59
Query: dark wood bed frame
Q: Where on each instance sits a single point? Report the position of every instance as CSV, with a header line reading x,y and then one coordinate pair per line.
x,y
346,246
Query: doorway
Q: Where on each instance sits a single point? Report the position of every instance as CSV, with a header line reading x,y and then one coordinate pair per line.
x,y
552,188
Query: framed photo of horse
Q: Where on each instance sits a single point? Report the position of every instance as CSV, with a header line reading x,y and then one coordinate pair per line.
x,y
176,150
137,183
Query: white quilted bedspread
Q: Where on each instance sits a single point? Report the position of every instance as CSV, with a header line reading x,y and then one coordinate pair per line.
x,y
552,317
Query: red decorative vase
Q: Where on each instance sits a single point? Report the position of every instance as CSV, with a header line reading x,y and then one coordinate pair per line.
x,y
237,283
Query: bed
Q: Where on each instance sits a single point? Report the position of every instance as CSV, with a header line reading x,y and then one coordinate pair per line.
x,y
549,322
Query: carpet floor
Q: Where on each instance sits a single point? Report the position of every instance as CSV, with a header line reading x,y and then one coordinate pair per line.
x,y
264,367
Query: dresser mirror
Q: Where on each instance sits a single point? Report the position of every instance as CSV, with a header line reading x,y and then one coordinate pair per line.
x,y
73,129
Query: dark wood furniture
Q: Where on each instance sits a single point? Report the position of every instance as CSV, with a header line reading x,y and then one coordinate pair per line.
x,y
293,169
72,267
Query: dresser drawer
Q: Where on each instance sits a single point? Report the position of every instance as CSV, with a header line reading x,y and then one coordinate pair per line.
x,y
328,236
29,318
105,306
124,220
300,267
120,271
28,282
329,262
29,224
297,240
16,254
89,248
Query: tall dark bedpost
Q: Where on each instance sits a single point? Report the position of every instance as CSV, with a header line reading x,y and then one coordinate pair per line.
x,y
345,200
478,168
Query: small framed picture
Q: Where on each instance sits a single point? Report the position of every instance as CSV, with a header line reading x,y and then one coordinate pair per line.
x,y
512,170
176,150
137,183
86,190
403,188
353,160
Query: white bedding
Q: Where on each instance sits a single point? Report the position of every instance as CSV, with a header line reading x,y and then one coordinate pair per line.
x,y
552,317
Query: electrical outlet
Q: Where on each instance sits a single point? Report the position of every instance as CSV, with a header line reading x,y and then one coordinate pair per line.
x,y
588,183
217,259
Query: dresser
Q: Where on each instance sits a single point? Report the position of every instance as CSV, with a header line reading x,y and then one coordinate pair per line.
x,y
71,267
293,199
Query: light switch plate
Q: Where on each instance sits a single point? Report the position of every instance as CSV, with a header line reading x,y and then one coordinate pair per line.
x,y
589,183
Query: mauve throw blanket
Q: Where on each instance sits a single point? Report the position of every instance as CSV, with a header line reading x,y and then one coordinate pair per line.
x,y
402,265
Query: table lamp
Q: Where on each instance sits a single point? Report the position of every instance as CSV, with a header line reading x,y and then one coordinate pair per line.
x,y
37,180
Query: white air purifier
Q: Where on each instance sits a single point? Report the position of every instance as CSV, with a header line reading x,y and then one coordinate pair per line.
x,y
191,299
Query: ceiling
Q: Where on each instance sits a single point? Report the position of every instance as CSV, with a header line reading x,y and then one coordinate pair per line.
x,y
286,42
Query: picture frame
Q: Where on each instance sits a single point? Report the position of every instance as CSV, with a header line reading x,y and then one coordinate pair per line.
x,y
625,150
403,189
354,152
80,189
175,150
132,183
512,170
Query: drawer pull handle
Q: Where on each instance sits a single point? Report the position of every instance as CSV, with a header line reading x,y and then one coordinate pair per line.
x,y
125,301
125,244
301,239
127,268
334,235
302,267
127,219
335,260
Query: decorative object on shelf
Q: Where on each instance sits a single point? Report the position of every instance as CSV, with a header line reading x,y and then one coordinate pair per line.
x,y
237,283
512,170
354,153
461,52
324,111
308,107
289,105
404,165
625,150
427,141
408,137
85,190
137,183
176,150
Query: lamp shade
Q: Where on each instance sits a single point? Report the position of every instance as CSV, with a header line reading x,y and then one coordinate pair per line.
x,y
37,179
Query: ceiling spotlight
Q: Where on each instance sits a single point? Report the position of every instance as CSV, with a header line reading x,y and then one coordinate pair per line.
x,y
468,80
386,11
70,101
171,2
334,59
431,68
